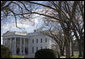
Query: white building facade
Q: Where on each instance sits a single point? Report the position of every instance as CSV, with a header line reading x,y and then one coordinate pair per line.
x,y
22,43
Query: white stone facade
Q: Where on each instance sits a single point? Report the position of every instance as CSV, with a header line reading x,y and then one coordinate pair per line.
x,y
26,43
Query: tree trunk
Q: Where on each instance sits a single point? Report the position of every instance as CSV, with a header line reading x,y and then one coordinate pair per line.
x,y
61,52
80,50
68,50
82,46
72,48
72,52
67,45
83,53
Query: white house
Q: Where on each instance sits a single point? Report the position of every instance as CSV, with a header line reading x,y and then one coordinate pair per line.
x,y
22,43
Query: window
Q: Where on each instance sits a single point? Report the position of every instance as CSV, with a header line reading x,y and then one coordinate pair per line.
x,y
36,40
41,40
46,47
33,41
41,47
45,39
32,49
36,48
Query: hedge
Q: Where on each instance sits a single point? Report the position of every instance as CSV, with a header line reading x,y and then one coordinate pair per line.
x,y
5,52
45,53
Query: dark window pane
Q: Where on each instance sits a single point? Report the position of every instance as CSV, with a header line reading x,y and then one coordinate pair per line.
x,y
36,48
41,40
36,40
33,41
45,39
32,49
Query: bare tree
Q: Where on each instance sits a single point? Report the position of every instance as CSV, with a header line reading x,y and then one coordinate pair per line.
x,y
58,36
65,13
16,9
66,16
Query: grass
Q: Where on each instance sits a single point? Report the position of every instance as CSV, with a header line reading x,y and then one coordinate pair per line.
x,y
75,56
62,56
17,56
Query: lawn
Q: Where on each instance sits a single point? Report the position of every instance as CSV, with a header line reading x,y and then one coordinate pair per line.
x,y
75,56
17,56
62,57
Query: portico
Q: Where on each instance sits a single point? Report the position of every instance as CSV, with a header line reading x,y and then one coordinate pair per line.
x,y
16,45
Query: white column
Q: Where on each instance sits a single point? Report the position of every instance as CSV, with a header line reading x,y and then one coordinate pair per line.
x,y
24,47
15,46
28,47
20,46
3,41
10,45
6,42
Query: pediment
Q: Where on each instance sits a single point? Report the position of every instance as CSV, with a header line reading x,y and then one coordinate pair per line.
x,y
8,33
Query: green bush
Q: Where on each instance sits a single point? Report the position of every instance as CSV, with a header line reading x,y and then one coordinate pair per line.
x,y
5,52
45,53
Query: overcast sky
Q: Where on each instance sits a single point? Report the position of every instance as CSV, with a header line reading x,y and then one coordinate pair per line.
x,y
27,25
